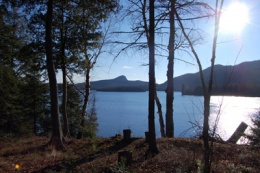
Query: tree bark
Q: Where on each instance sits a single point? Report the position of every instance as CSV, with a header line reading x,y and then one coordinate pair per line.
x,y
57,136
169,90
152,137
64,80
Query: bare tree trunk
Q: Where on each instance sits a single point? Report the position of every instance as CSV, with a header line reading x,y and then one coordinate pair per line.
x,y
207,94
169,90
157,101
205,133
85,103
207,90
152,137
159,107
57,136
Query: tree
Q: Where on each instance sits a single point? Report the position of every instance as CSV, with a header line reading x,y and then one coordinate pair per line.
x,y
61,23
140,29
88,39
254,136
73,110
152,137
33,99
10,62
176,42
170,89
56,141
23,94
138,11
207,87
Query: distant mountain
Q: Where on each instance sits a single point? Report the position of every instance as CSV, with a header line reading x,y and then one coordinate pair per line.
x,y
244,78
118,84
241,79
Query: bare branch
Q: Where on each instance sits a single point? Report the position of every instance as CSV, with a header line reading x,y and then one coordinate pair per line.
x,y
193,51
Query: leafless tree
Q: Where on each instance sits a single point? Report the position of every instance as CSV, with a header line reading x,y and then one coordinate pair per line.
x,y
207,87
152,137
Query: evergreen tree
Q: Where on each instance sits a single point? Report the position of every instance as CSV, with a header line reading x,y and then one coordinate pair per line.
x,y
254,136
74,115
91,120
73,110
9,105
11,41
33,101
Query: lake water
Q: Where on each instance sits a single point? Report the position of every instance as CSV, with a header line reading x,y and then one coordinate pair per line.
x,y
129,110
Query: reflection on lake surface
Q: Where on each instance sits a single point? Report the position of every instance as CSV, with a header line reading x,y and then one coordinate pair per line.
x,y
233,110
121,110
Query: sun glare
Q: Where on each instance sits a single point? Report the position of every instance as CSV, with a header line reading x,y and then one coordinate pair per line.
x,y
234,18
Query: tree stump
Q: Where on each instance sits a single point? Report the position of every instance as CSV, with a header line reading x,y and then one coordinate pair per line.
x,y
146,136
238,133
125,158
127,134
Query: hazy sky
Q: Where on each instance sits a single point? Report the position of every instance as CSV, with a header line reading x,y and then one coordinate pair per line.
x,y
233,48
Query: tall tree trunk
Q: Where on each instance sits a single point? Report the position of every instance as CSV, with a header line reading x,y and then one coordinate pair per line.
x,y
169,90
205,132
34,117
85,103
64,80
157,100
152,137
57,136
207,94
64,99
207,90
34,111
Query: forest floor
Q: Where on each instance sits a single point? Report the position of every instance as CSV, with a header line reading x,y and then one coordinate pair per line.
x,y
101,155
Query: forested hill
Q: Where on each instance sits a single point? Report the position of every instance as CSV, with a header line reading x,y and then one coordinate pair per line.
x,y
118,84
241,79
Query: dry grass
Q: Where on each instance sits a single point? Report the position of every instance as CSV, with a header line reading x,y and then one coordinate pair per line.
x,y
100,155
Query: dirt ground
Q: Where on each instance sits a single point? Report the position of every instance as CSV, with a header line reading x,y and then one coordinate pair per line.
x,y
101,155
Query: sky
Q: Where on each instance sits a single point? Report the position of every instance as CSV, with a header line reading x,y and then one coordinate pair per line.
x,y
233,48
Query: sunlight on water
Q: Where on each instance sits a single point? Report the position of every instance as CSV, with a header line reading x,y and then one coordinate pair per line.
x,y
129,110
232,111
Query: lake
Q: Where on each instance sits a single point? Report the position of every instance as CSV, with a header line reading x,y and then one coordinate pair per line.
x,y
129,110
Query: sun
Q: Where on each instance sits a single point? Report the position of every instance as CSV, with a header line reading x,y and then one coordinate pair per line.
x,y
234,18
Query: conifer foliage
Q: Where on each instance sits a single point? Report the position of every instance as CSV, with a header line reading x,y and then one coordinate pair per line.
x,y
38,39
254,136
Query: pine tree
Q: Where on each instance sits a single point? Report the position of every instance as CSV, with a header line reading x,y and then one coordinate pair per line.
x,y
10,44
254,136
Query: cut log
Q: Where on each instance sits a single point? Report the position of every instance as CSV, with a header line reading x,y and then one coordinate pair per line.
x,y
238,133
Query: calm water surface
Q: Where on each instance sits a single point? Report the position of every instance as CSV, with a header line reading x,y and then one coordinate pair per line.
x,y
122,110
